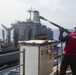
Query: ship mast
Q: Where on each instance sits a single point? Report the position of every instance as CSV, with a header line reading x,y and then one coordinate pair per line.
x,y
30,11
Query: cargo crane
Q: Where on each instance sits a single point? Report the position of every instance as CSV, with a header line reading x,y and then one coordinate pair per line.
x,y
8,35
5,50
6,47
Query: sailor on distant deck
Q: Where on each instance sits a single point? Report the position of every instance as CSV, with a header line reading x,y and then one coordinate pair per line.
x,y
69,53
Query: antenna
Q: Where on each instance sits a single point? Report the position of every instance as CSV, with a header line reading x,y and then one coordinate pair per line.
x,y
30,10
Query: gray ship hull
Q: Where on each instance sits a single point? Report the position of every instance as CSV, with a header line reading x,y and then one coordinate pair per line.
x,y
9,60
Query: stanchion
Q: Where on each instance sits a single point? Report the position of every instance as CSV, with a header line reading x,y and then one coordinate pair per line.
x,y
57,72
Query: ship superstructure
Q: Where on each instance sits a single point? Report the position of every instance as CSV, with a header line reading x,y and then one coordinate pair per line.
x,y
32,29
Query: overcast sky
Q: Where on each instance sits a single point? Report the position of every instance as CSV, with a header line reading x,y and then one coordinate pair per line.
x,y
62,12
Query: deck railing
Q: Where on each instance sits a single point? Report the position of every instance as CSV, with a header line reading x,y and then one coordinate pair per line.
x,y
59,54
13,67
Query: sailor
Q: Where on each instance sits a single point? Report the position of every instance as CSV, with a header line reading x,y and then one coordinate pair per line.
x,y
69,53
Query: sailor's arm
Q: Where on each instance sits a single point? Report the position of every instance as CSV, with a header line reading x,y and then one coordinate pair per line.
x,y
63,38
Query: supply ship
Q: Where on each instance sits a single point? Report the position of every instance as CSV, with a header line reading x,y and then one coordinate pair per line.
x,y
32,29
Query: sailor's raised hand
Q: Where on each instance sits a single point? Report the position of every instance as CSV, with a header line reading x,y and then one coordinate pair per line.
x,y
61,30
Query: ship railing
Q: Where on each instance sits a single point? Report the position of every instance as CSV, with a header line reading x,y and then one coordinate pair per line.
x,y
57,53
57,59
16,66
